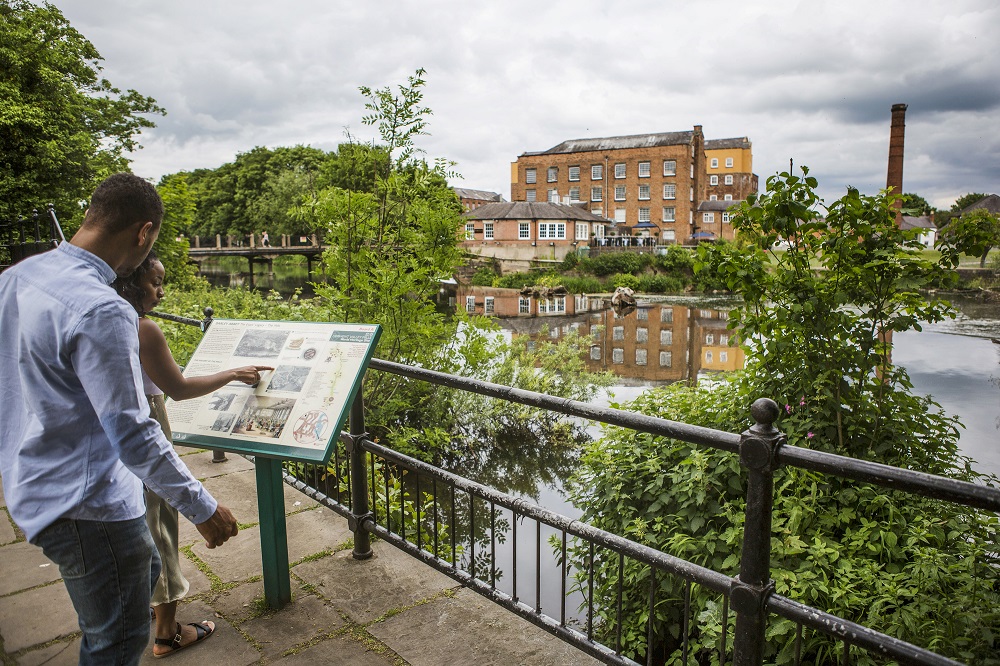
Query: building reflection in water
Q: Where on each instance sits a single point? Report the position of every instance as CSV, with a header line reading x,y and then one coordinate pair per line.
x,y
657,342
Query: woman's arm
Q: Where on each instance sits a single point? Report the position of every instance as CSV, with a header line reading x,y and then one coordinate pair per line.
x,y
159,364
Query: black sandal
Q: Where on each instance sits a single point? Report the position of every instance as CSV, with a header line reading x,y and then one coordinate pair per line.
x,y
202,632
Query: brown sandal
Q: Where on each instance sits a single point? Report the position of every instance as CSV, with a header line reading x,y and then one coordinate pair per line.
x,y
202,632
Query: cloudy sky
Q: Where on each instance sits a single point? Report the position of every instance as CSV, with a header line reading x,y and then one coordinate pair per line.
x,y
810,81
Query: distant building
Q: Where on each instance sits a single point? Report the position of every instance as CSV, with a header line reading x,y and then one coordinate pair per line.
x,y
928,230
713,221
649,185
990,203
472,199
525,231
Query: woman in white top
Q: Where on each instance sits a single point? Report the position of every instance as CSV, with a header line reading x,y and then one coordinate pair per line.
x,y
160,375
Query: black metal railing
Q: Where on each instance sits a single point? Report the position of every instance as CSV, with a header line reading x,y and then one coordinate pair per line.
x,y
21,238
374,487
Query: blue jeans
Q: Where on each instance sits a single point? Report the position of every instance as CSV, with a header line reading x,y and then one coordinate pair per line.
x,y
109,569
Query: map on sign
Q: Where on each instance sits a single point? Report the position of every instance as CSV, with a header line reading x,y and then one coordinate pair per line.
x,y
296,410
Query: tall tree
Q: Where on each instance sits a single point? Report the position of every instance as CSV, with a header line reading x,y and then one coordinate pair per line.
x,y
914,204
975,233
966,200
63,128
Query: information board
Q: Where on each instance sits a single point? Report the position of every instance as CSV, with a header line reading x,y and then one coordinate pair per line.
x,y
296,410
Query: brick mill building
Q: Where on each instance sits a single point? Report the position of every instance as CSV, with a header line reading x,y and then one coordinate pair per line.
x,y
528,231
648,185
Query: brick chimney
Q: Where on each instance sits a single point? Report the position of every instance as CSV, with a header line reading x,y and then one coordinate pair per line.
x,y
894,178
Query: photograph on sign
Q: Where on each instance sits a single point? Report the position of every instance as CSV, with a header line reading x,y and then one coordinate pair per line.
x,y
294,412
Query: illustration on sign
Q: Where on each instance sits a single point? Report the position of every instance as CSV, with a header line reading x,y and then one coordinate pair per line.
x,y
297,407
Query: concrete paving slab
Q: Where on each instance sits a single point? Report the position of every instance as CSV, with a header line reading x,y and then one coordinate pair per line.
x,y
227,646
199,582
238,605
338,651
235,560
66,653
20,615
24,566
7,532
417,635
238,491
3,502
303,620
202,467
366,589
312,532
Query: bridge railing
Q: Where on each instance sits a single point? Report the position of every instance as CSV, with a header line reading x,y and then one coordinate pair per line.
x,y
442,519
20,238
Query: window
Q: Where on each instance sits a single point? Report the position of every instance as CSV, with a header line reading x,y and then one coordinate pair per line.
x,y
488,305
470,303
618,333
529,176
726,218
642,314
574,173
666,336
523,230
553,196
619,193
666,359
729,162
669,235
555,230
715,162
596,172
713,197
723,356
727,197
642,334
574,194
553,174
729,179
669,167
709,338
669,191
713,180
582,231
595,352
644,215
617,355
619,171
668,213
708,357
470,231
596,194
488,230
551,305
529,195
643,169
666,315
640,357
644,193
708,218
620,215
691,196
705,314
599,229
524,305
597,211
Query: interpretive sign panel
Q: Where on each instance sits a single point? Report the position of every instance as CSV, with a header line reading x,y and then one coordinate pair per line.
x,y
296,410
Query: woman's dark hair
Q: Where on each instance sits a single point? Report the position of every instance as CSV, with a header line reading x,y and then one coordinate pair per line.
x,y
128,286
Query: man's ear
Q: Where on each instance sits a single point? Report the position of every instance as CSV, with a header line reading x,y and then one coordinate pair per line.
x,y
145,229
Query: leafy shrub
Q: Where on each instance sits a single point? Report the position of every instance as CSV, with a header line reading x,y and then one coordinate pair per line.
x,y
660,284
583,285
625,280
616,262
484,277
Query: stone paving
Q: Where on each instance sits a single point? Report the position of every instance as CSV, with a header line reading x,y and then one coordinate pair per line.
x,y
391,609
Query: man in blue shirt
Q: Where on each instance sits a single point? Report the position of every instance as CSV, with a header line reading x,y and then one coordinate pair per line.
x,y
76,438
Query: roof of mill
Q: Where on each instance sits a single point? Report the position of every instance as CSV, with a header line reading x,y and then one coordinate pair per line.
x,y
720,144
990,202
718,205
531,210
639,141
479,195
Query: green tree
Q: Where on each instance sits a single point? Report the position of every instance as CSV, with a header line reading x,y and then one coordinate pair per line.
x,y
820,317
966,200
179,210
63,128
914,204
974,233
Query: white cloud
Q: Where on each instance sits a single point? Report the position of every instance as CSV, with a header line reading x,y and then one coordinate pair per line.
x,y
803,80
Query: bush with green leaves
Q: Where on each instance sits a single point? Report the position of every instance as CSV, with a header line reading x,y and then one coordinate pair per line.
x,y
610,263
484,277
819,318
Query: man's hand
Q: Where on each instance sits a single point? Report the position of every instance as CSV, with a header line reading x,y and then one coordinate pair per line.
x,y
218,529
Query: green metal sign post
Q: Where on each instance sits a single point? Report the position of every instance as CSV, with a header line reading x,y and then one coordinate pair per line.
x,y
273,532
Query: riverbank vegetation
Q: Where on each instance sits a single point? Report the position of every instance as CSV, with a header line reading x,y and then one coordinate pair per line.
x,y
917,569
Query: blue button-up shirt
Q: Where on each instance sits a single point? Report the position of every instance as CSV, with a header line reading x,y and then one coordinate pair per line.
x,y
76,437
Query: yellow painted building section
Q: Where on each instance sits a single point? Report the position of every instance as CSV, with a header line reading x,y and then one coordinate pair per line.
x,y
722,359
513,173
742,160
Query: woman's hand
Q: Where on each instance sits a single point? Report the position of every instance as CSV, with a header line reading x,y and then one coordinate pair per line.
x,y
250,374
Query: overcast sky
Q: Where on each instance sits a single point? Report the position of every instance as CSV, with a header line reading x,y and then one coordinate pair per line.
x,y
811,81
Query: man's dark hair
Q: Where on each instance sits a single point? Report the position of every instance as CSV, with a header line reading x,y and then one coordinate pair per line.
x,y
122,200
128,286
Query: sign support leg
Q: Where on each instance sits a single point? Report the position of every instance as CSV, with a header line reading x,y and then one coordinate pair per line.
x,y
273,532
